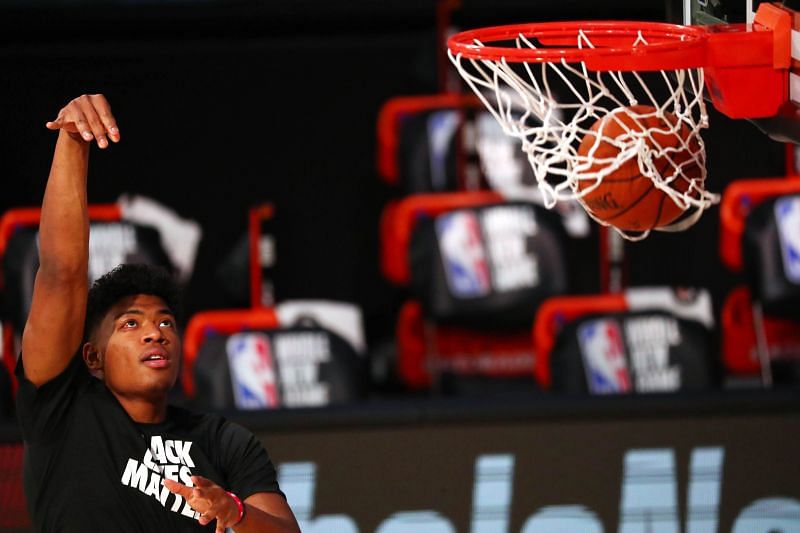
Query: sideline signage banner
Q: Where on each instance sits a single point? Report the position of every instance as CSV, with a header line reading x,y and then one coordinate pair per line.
x,y
651,474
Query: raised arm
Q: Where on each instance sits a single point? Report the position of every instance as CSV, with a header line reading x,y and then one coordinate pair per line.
x,y
54,328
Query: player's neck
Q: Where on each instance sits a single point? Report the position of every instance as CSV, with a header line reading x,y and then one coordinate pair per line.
x,y
144,410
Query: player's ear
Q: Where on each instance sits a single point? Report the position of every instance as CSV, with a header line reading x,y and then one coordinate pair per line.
x,y
93,359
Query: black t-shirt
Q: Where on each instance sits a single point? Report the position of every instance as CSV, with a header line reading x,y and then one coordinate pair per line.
x,y
90,467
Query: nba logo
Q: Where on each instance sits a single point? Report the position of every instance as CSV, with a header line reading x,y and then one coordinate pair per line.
x,y
463,254
253,373
787,218
604,357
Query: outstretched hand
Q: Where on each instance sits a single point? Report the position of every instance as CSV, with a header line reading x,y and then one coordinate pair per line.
x,y
87,117
208,499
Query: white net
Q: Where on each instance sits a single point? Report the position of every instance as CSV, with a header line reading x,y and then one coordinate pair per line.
x,y
578,127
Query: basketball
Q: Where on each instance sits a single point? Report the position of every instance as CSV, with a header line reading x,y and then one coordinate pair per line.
x,y
625,198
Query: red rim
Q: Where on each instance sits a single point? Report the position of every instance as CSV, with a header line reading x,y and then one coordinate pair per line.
x,y
670,46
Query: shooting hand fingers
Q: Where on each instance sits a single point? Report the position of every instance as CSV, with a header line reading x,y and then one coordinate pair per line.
x,y
92,118
88,116
103,110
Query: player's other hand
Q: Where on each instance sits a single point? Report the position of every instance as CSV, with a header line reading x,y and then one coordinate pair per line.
x,y
87,118
208,499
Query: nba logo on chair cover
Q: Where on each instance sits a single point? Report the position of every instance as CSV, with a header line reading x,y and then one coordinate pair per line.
x,y
253,373
463,254
604,357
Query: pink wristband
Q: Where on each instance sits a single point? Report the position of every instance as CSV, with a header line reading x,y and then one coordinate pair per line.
x,y
239,506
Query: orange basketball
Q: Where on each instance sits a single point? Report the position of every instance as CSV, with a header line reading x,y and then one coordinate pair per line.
x,y
625,198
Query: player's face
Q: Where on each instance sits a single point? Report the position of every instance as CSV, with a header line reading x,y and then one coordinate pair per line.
x,y
141,347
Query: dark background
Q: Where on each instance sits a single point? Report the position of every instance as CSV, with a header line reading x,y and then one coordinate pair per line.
x,y
222,105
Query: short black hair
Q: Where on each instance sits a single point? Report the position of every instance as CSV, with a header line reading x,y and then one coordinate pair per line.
x,y
129,280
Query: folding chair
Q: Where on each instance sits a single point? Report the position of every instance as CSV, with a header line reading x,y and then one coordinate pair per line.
x,y
476,268
601,343
248,360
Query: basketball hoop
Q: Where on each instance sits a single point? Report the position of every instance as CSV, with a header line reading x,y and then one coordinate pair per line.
x,y
552,84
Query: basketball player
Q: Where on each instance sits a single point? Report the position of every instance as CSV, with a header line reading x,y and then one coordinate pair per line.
x,y
104,451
